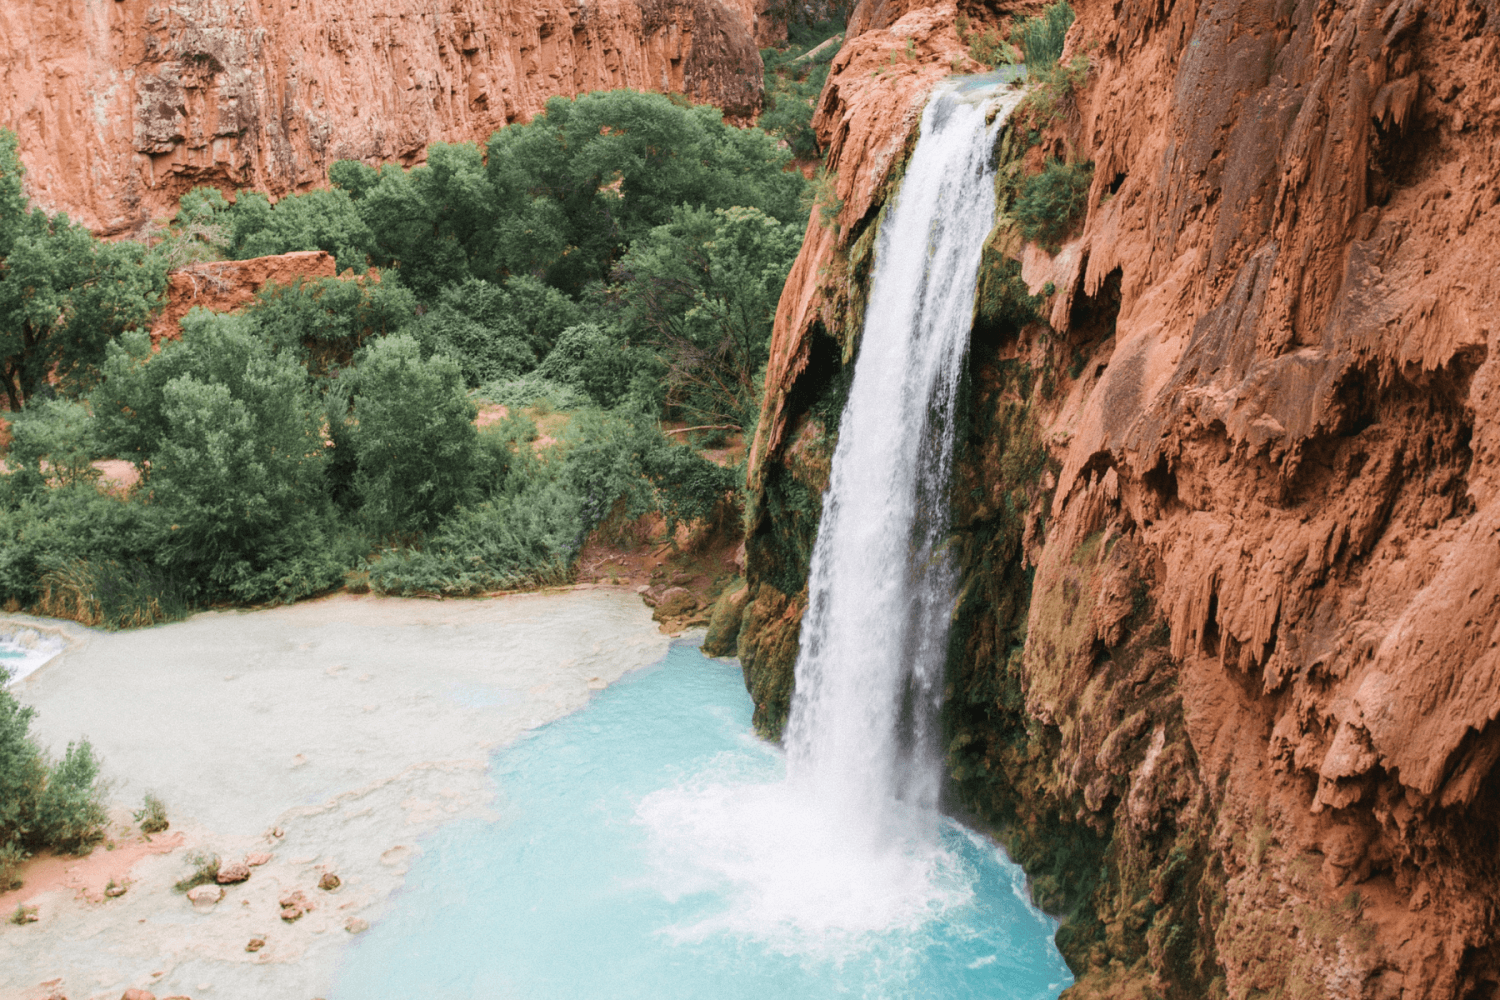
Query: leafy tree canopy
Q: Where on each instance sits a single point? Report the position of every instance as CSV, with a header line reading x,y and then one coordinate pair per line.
x,y
63,294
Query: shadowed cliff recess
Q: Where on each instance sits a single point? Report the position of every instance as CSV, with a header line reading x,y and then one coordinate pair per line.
x,y
1223,672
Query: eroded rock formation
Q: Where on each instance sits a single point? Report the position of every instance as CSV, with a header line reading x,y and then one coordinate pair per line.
x,y
122,107
227,285
1224,670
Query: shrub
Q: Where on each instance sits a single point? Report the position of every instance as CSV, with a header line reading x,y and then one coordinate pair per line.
x,y
43,803
53,441
205,871
1041,38
70,809
152,815
1053,201
986,46
324,219
414,436
112,595
587,359
503,543
325,321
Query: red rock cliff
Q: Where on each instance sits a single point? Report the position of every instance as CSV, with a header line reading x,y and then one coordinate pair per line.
x,y
1230,509
121,107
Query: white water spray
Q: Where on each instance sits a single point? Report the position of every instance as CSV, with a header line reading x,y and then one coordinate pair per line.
x,y
849,847
874,638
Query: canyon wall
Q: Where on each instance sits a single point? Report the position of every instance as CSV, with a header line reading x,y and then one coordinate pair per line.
x,y
123,105
1224,672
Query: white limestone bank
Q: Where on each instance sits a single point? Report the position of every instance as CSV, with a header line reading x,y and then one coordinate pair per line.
x,y
332,734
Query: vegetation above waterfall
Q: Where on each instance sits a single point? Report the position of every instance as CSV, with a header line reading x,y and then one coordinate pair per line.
x,y
581,279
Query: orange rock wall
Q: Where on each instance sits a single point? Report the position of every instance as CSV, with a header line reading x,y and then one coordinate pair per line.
x,y
123,106
1277,413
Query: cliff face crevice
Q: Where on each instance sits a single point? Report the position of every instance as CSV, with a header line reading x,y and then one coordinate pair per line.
x,y
1226,509
123,107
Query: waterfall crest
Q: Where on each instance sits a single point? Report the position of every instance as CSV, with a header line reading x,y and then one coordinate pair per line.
x,y
862,731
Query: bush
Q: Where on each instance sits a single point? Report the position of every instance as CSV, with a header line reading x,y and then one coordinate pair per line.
x,y
44,804
113,595
205,871
152,815
587,359
52,440
1053,201
324,219
414,436
495,333
1041,38
529,540
324,322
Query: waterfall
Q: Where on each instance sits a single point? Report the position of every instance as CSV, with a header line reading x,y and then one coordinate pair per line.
x,y
850,847
862,731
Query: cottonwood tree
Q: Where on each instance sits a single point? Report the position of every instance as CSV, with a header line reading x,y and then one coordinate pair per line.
x,y
703,290
63,294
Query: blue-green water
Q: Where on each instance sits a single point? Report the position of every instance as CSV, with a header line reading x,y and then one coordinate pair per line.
x,y
650,847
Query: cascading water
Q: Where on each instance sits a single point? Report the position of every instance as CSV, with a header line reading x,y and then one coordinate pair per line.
x,y
652,847
875,633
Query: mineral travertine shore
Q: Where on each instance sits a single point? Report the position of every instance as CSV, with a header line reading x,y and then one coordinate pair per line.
x,y
330,736
1224,673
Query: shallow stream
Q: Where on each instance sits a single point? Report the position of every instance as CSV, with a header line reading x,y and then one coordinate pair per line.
x,y
649,846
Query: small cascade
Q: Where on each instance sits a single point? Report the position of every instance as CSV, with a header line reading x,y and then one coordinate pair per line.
x,y
862,733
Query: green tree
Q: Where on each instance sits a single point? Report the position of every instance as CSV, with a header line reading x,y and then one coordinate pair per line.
x,y
429,223
414,436
585,178
704,289
323,219
226,433
324,322
63,294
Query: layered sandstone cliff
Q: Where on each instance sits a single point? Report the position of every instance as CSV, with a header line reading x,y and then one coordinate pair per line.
x,y
123,106
1224,672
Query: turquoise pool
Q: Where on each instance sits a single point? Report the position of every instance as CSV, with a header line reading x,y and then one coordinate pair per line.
x,y
648,846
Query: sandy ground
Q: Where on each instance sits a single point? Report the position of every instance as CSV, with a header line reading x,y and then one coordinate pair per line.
x,y
332,735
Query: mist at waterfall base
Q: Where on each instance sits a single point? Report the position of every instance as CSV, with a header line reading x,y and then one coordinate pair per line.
x,y
651,846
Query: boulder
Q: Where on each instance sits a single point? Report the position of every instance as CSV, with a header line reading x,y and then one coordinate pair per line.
x,y
137,995
255,860
235,871
203,897
256,944
329,882
676,602
293,906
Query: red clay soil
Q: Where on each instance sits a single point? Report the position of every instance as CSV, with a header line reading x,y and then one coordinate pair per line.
x,y
89,876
